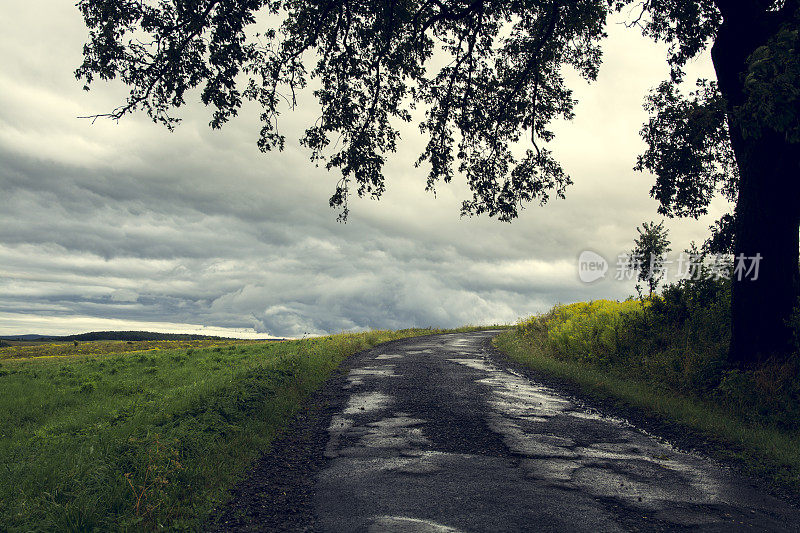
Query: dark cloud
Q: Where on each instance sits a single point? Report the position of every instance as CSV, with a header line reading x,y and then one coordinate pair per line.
x,y
126,225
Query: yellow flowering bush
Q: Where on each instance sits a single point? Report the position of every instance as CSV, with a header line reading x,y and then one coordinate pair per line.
x,y
585,330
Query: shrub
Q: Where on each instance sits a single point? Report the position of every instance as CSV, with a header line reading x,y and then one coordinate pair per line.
x,y
591,331
677,341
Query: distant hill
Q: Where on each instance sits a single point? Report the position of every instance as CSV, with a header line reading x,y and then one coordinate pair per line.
x,y
113,336
22,337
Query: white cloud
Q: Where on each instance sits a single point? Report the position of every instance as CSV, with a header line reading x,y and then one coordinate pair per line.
x,y
13,323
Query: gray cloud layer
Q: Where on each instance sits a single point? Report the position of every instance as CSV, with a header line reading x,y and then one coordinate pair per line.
x,y
117,225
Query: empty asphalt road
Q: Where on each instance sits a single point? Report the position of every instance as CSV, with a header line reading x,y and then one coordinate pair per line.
x,y
437,434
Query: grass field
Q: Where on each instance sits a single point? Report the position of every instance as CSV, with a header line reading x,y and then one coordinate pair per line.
x,y
144,440
22,350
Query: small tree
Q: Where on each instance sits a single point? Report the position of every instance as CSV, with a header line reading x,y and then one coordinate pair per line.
x,y
647,256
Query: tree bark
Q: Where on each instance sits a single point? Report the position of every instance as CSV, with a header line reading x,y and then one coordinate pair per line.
x,y
767,227
767,209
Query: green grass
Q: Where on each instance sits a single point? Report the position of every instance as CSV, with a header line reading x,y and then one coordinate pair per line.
x,y
23,349
150,439
765,449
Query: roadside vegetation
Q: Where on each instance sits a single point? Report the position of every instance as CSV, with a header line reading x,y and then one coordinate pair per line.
x,y
149,439
667,355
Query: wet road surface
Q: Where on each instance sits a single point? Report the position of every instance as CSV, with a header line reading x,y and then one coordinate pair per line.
x,y
434,434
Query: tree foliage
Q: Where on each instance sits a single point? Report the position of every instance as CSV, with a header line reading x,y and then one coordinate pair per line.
x,y
501,79
688,136
689,149
500,83
649,253
772,86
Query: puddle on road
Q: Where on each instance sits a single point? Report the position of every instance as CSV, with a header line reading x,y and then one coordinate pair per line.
x,y
633,469
357,404
389,356
404,524
459,345
357,376
398,432
555,444
530,444
646,485
587,415
366,401
412,463
516,396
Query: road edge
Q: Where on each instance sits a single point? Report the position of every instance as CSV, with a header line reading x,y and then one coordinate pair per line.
x,y
681,437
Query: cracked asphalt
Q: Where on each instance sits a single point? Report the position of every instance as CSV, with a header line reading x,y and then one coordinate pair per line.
x,y
436,434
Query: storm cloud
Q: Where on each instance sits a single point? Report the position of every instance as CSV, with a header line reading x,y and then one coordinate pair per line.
x,y
128,226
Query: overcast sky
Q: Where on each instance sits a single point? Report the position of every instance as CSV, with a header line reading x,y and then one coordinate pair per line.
x,y
128,226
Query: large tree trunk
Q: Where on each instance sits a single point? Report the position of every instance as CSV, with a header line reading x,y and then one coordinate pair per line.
x,y
766,227
767,209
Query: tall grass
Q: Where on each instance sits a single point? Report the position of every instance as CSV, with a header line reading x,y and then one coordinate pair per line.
x,y
150,439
